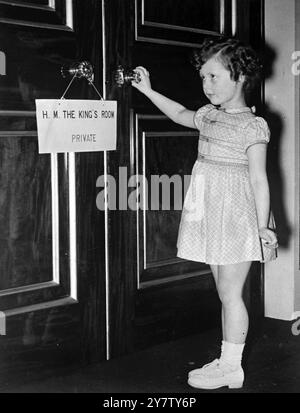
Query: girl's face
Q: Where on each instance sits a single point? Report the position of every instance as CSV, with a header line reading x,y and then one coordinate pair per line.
x,y
219,87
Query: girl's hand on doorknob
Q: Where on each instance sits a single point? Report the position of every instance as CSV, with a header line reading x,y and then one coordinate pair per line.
x,y
144,84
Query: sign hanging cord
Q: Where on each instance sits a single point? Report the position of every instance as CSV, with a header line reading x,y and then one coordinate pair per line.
x,y
90,83
68,87
97,91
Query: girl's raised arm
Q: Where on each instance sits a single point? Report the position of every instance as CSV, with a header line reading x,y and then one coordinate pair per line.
x,y
175,111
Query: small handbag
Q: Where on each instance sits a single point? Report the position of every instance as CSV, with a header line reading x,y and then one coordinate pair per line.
x,y
269,254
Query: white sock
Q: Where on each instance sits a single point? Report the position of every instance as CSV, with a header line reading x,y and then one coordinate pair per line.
x,y
231,355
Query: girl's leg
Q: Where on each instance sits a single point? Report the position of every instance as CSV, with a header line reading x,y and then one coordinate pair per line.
x,y
215,272
231,281
227,371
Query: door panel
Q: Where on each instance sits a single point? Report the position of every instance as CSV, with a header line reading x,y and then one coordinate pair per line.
x,y
50,14
33,264
155,296
25,217
180,23
164,164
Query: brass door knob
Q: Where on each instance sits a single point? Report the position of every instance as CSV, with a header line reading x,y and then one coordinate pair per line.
x,y
79,69
123,76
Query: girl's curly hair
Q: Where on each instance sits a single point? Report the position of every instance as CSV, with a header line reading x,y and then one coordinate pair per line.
x,y
238,58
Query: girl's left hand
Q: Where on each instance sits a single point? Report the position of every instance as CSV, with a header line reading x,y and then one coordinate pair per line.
x,y
268,237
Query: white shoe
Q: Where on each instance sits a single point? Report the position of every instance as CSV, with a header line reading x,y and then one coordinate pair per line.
x,y
214,376
205,369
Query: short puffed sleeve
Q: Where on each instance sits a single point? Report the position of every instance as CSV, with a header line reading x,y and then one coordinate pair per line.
x,y
257,131
200,113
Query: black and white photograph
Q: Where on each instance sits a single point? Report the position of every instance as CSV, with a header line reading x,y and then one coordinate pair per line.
x,y
149,199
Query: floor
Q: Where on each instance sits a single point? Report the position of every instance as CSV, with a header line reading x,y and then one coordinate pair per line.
x,y
271,363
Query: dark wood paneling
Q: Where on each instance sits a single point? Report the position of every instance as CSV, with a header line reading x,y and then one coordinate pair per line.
x,y
27,273
28,2
250,15
38,14
45,326
181,23
166,312
25,222
122,224
171,73
27,14
39,344
91,221
91,258
187,15
165,151
34,58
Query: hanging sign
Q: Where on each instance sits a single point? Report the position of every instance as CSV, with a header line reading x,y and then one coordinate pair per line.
x,y
76,125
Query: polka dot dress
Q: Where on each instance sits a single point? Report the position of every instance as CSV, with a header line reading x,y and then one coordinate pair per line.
x,y
219,221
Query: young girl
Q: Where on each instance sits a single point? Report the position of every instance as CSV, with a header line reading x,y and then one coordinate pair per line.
x,y
226,215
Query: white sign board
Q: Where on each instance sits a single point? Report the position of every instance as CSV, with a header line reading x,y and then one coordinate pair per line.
x,y
76,125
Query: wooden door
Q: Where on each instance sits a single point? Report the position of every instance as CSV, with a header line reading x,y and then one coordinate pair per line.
x,y
79,283
52,260
153,295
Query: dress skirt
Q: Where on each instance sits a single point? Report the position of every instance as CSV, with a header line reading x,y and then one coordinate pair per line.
x,y
219,221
